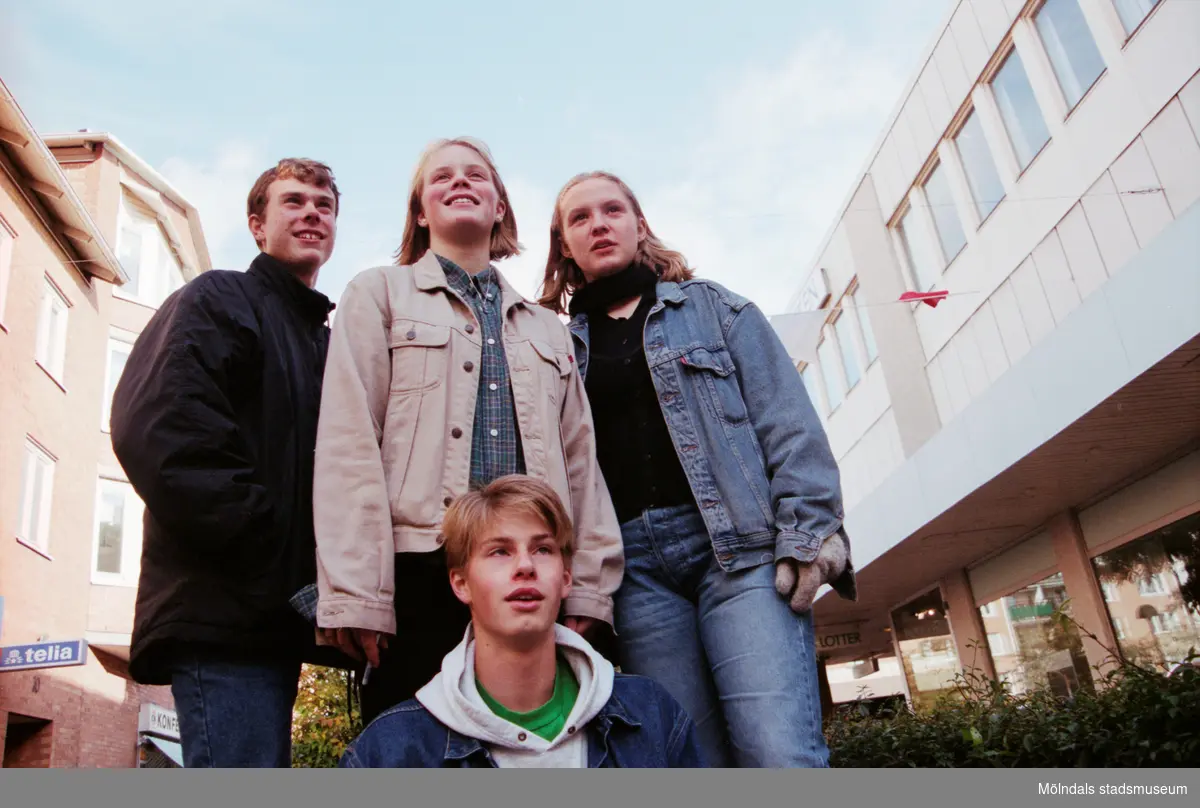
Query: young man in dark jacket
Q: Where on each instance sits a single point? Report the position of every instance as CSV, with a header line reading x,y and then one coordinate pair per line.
x,y
521,691
214,421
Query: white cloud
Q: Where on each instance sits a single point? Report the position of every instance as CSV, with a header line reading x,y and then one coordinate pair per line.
x,y
218,188
782,147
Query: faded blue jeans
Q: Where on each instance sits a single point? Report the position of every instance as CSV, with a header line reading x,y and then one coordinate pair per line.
x,y
234,712
725,645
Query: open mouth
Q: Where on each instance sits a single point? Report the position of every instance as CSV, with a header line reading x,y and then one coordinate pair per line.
x,y
603,244
461,201
310,235
526,599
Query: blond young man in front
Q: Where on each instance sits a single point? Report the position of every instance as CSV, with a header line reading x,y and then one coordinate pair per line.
x,y
520,691
440,379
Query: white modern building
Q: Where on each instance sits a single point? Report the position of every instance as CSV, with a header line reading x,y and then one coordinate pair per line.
x,y
1035,437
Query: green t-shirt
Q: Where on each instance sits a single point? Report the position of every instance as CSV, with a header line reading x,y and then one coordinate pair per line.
x,y
548,720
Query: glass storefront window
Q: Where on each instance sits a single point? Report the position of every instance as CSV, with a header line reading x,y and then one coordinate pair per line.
x,y
1156,614
926,648
1033,645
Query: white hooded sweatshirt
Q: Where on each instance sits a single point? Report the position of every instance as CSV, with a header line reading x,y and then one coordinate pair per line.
x,y
453,699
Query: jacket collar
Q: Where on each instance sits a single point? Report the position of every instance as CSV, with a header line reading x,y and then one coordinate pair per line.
x,y
309,302
429,275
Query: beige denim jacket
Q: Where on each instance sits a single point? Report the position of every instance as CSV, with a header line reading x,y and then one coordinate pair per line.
x,y
394,437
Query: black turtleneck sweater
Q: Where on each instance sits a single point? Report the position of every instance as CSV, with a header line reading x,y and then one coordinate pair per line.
x,y
633,445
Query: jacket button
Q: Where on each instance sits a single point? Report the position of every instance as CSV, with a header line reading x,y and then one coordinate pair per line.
x,y
456,433
570,730
468,366
470,328
447,501
522,736
411,334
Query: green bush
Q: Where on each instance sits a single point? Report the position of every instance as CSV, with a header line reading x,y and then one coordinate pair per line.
x,y
1136,718
325,719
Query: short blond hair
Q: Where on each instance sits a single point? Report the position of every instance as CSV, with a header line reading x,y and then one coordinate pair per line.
x,y
469,516
415,241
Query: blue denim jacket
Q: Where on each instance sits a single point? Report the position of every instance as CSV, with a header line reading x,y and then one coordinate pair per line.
x,y
639,727
749,439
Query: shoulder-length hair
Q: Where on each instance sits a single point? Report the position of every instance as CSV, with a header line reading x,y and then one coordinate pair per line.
x,y
563,276
415,241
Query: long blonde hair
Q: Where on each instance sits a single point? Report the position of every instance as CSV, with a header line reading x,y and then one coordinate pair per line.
x,y
415,241
563,276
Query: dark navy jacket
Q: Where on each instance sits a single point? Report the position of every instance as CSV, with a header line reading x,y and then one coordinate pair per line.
x,y
641,726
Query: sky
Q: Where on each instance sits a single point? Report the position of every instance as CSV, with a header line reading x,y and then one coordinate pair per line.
x,y
740,126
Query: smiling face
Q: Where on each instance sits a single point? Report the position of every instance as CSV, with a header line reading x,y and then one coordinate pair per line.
x,y
297,225
601,230
459,198
514,579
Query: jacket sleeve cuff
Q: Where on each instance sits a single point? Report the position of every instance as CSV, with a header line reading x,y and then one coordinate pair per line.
x,y
800,546
582,603
804,548
346,612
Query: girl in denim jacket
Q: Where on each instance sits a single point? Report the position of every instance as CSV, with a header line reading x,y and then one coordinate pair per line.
x,y
722,477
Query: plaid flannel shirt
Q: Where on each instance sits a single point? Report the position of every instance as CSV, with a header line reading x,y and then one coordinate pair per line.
x,y
495,440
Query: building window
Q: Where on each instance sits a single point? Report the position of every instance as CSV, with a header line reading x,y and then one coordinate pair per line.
x,y
999,645
834,391
927,649
152,266
1112,592
945,214
1152,585
51,349
37,495
868,334
806,376
1042,651
1161,624
978,165
1019,109
1069,44
842,327
918,251
7,240
1132,12
118,534
987,610
119,347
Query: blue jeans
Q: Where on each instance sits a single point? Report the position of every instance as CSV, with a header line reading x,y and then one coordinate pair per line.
x,y
725,645
234,713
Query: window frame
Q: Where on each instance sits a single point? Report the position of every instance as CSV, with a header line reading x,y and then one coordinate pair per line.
x,y
973,114
131,534
947,259
1054,67
115,337
990,83
54,365
37,538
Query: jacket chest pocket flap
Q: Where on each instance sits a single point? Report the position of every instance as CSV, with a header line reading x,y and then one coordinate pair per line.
x,y
713,370
553,366
420,355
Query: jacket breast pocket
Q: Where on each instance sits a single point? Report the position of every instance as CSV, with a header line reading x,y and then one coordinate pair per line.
x,y
712,373
420,355
552,367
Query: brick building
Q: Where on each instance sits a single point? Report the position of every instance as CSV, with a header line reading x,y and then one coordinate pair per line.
x,y
70,525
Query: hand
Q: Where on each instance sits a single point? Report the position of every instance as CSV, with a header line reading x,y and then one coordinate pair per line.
x,y
581,625
798,582
359,642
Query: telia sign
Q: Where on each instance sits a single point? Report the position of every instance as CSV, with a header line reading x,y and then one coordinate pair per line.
x,y
60,654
